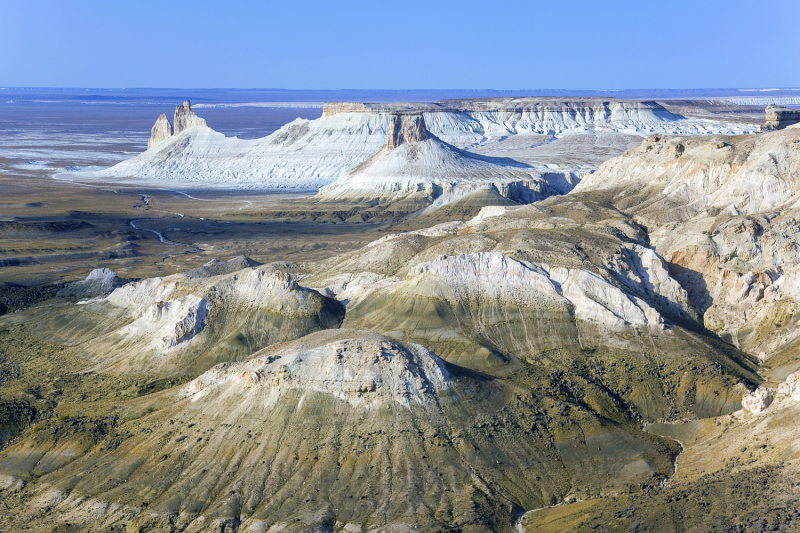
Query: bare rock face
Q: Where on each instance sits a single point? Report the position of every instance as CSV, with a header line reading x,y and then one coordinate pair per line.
x,y
100,282
779,117
169,323
406,129
349,367
161,130
185,118
757,401
791,387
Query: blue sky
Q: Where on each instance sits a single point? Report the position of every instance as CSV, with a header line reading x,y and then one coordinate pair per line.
x,y
407,44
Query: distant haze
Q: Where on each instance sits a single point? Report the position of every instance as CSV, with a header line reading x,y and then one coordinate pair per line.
x,y
467,44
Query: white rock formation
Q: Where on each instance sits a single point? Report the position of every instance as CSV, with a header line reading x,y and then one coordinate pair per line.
x,y
99,282
598,301
414,162
488,212
161,131
758,401
791,387
490,276
185,118
169,323
139,295
762,398
359,367
724,213
644,271
753,176
309,154
101,274
493,276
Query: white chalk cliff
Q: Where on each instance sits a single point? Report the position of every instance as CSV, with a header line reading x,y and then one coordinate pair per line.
x,y
415,162
308,154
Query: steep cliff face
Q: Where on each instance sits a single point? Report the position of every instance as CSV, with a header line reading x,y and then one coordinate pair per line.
x,y
406,129
574,135
185,118
724,213
161,131
779,117
415,163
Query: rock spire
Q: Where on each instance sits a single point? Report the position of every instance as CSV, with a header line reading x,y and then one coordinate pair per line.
x,y
406,129
185,118
161,131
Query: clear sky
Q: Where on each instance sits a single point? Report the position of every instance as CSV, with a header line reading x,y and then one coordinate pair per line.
x,y
400,44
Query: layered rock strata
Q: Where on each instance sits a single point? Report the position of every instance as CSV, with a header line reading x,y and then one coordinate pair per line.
x,y
779,117
723,212
406,129
552,135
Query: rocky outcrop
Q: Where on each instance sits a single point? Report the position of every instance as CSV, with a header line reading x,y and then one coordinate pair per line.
x,y
762,398
189,322
367,370
415,164
724,215
779,117
161,131
598,301
406,129
165,325
309,154
99,282
758,401
185,118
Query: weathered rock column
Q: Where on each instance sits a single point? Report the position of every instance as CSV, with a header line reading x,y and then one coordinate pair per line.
x,y
161,131
406,129
185,118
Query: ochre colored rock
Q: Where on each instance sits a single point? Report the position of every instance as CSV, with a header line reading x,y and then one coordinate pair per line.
x,y
406,129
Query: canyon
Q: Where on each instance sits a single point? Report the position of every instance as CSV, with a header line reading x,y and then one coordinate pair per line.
x,y
508,314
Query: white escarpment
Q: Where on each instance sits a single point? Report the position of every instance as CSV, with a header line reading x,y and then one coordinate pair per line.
x,y
723,212
414,162
753,175
495,277
307,154
361,368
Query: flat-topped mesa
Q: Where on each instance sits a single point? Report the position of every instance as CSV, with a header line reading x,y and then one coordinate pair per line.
x,y
185,118
406,129
160,132
779,117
